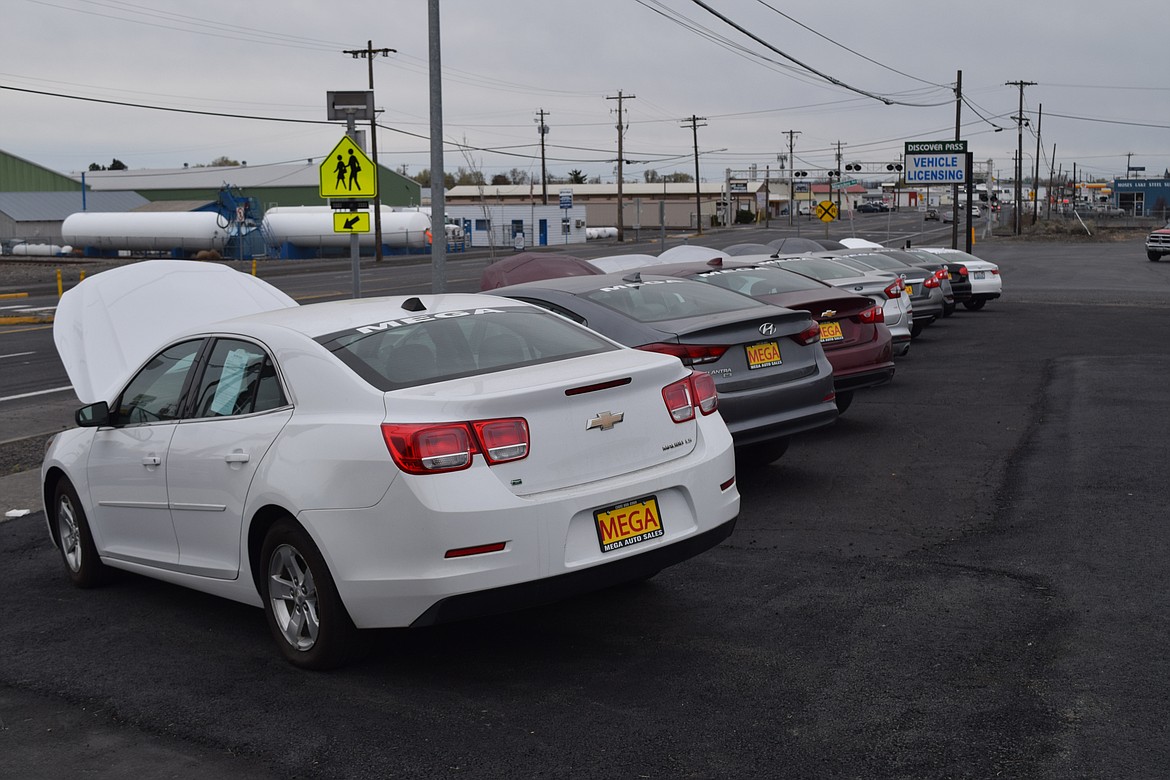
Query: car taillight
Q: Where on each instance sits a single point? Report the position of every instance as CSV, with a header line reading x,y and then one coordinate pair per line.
x,y
931,282
995,271
872,315
962,270
689,354
810,335
894,290
697,391
436,448
942,273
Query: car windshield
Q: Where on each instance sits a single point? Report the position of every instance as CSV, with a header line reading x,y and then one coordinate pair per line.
x,y
760,281
819,268
656,300
422,349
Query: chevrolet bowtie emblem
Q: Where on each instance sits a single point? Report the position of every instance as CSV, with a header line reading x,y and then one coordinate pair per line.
x,y
829,313
604,421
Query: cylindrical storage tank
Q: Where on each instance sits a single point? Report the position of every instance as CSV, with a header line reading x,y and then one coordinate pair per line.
x,y
40,250
312,226
188,231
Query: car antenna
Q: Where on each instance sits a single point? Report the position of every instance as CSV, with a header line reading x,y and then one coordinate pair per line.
x,y
715,262
413,304
635,277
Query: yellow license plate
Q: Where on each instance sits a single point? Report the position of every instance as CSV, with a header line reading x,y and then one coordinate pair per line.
x,y
831,331
909,289
763,354
629,523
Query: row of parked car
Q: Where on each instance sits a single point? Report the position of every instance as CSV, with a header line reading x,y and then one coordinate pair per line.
x,y
418,459
791,332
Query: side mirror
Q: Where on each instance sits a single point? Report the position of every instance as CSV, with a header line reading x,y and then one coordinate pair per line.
x,y
93,416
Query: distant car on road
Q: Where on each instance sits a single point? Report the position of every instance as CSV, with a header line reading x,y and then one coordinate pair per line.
x,y
1158,243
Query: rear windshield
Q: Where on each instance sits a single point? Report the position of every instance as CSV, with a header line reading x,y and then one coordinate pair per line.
x,y
877,261
657,300
424,348
760,281
825,270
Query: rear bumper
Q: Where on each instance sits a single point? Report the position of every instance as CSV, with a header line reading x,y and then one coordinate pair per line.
x,y
552,589
871,378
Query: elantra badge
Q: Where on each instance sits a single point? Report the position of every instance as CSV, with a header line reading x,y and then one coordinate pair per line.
x,y
605,420
767,329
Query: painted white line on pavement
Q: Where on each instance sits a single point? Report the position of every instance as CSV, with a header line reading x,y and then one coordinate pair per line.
x,y
17,354
37,392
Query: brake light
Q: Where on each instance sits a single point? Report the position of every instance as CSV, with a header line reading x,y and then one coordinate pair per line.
x,y
962,270
995,271
689,354
931,282
810,335
872,315
894,290
942,273
697,391
436,448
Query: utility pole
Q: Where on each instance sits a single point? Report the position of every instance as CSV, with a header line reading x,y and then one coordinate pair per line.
x,y
791,169
955,187
543,130
694,124
438,194
1036,165
1019,195
838,172
369,53
621,132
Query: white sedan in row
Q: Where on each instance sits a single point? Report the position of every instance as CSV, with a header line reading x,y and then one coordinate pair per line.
x,y
383,462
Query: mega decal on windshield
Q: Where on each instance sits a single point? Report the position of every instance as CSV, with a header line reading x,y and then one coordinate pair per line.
x,y
635,285
439,315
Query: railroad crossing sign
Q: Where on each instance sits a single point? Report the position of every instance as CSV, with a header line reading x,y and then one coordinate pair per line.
x,y
348,173
826,211
351,222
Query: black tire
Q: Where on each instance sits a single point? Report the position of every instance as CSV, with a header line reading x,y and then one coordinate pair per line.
x,y
844,399
916,329
74,539
307,619
975,304
1154,256
948,309
754,456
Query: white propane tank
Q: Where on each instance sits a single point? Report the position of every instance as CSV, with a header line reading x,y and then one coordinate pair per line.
x,y
312,226
188,231
40,250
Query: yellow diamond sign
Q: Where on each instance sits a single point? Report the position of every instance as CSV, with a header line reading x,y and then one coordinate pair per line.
x,y
348,173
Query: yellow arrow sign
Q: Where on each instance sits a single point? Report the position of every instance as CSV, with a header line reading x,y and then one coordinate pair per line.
x,y
348,173
351,222
826,211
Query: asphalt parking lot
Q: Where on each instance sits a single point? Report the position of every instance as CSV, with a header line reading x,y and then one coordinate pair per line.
x,y
964,577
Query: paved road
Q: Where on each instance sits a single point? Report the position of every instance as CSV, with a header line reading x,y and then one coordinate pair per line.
x,y
964,577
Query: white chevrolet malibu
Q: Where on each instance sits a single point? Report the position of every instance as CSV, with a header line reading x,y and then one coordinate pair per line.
x,y
383,462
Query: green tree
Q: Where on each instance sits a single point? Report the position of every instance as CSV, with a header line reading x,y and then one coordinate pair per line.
x,y
576,176
651,176
222,162
678,178
500,179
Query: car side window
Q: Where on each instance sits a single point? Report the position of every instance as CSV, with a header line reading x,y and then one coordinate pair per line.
x,y
155,394
239,378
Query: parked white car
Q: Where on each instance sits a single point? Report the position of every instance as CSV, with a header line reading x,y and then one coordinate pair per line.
x,y
381,462
986,281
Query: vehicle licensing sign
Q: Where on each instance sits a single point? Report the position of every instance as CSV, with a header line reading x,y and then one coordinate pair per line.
x,y
936,162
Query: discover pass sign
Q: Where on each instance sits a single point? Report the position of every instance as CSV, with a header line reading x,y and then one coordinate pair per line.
x,y
936,162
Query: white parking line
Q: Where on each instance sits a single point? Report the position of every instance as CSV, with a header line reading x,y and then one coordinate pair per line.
x,y
17,354
36,392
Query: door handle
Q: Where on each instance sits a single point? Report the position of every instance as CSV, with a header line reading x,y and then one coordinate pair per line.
x,y
236,457
151,460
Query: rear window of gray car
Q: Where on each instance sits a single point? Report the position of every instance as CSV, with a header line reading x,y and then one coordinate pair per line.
x,y
668,299
424,348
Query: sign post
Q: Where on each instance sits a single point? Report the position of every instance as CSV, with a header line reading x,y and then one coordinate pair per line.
x,y
347,175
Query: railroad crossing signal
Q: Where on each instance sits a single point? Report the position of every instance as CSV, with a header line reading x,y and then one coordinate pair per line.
x,y
826,211
348,173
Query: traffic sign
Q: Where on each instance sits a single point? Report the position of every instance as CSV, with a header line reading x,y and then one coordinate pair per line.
x,y
936,162
826,211
351,222
348,173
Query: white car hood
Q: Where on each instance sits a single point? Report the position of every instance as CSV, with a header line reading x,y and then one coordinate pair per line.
x,y
860,243
109,324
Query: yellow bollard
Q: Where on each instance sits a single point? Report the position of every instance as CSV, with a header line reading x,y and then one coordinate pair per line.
x,y
253,266
60,289
82,279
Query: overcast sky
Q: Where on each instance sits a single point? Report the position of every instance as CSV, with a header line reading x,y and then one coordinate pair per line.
x,y
888,69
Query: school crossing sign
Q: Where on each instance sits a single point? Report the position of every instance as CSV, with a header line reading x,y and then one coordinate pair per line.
x,y
348,173
936,162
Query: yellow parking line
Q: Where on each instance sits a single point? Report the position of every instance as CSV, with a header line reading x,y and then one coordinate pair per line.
x,y
26,320
13,295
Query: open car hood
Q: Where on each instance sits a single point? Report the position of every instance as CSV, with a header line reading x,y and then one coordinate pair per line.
x,y
109,324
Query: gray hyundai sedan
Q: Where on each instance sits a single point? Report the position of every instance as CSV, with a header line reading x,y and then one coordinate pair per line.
x,y
768,365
